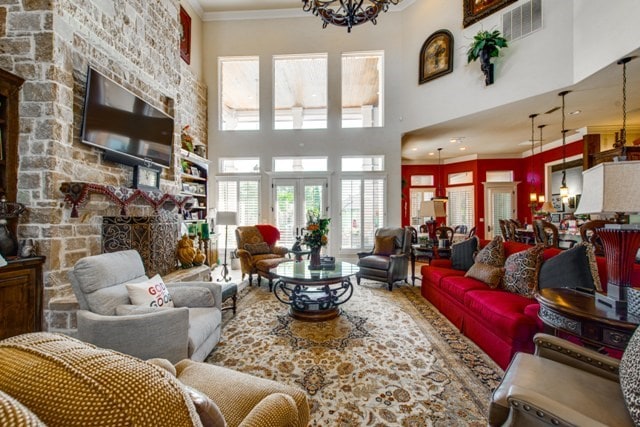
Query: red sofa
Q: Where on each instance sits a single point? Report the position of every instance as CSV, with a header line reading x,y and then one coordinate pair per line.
x,y
501,323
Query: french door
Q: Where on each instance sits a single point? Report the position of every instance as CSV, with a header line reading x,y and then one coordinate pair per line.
x,y
500,203
292,199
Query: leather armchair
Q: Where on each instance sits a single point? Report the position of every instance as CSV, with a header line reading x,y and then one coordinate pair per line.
x,y
563,384
387,268
252,261
107,319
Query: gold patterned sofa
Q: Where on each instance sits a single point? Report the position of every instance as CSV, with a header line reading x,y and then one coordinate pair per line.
x,y
55,380
258,252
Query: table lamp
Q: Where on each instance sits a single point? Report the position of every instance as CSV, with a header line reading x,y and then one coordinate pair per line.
x,y
612,188
225,218
431,209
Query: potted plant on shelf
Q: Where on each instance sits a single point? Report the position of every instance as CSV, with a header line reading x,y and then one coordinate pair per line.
x,y
486,45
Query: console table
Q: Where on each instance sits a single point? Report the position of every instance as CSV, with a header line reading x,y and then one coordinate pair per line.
x,y
576,313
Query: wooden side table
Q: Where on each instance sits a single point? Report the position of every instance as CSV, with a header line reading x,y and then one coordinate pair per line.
x,y
576,313
417,252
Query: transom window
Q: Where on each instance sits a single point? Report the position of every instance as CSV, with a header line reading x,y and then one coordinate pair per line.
x,y
460,178
499,176
300,91
239,165
299,164
422,180
362,101
362,163
239,87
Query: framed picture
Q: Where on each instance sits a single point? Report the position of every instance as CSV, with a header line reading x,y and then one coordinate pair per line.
x,y
556,201
555,217
185,36
475,10
195,171
186,187
436,56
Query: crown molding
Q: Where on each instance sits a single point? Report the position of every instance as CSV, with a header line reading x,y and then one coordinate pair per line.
x,y
197,8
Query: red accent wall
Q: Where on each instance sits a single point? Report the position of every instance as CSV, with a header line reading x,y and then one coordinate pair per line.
x,y
521,172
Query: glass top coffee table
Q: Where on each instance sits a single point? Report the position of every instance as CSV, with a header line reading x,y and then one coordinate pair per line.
x,y
313,295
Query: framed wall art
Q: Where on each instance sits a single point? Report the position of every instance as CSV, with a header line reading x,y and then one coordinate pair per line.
x,y
185,36
475,10
556,201
436,56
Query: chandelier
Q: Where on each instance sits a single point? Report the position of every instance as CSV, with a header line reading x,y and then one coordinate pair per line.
x,y
347,13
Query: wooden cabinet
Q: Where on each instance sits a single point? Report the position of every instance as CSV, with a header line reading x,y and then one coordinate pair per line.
x,y
21,291
195,174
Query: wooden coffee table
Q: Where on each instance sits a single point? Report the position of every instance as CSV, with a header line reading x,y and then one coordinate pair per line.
x,y
576,313
313,295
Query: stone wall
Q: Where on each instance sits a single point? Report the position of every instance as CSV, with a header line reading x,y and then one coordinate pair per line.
x,y
51,44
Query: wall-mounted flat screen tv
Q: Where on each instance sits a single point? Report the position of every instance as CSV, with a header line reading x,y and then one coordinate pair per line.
x,y
129,130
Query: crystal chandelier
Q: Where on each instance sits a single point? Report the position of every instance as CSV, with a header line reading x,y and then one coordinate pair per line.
x,y
347,13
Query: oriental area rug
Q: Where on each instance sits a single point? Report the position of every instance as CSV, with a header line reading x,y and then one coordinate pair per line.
x,y
390,359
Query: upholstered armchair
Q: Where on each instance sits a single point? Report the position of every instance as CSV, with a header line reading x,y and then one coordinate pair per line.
x,y
388,261
258,252
108,319
564,384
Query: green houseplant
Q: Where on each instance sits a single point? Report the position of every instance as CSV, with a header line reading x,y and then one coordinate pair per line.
x,y
486,45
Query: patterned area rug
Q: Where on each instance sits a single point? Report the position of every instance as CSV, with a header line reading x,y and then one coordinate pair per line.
x,y
390,359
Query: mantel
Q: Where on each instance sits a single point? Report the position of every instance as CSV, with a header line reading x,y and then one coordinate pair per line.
x,y
77,193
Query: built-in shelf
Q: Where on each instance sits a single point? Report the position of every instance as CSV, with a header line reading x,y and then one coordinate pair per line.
x,y
77,193
194,177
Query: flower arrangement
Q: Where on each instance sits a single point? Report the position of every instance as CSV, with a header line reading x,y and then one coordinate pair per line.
x,y
317,230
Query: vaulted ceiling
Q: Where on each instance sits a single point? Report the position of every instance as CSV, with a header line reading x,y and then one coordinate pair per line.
x,y
505,129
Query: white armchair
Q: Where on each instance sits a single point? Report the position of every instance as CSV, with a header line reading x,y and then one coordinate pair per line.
x,y
107,319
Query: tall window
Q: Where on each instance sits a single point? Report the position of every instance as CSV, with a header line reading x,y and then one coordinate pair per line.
x,y
241,195
300,91
239,86
460,207
362,101
363,211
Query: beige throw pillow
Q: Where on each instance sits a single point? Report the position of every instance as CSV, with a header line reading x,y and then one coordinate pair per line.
x,y
152,293
384,245
486,273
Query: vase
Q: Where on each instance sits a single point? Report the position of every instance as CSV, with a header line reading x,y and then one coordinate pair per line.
x,y
486,66
8,243
314,260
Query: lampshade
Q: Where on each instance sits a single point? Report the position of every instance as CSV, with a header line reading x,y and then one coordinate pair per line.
x,y
226,218
541,198
610,188
548,207
431,208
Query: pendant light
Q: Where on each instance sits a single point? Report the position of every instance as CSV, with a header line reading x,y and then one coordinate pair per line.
x,y
440,196
621,137
541,197
564,190
533,195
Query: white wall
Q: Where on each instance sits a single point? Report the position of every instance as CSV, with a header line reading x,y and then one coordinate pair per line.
x,y
604,32
266,38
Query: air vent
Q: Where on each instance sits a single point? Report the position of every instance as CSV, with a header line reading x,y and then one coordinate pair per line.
x,y
523,20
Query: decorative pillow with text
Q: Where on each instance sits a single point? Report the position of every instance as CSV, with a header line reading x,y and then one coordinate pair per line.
x,y
152,293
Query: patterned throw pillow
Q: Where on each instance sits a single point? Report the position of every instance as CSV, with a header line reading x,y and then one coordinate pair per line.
x,y
574,268
152,293
462,253
486,273
493,253
630,377
257,248
521,271
384,245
